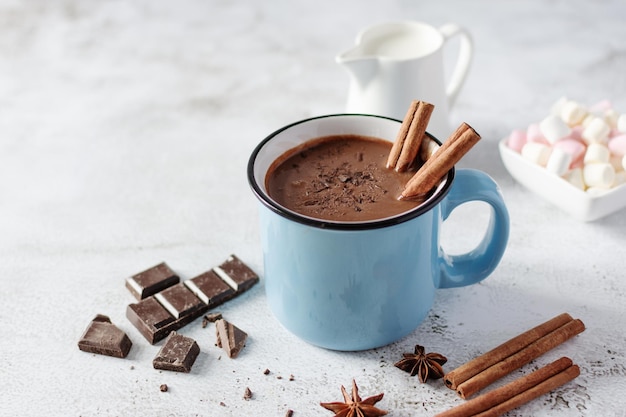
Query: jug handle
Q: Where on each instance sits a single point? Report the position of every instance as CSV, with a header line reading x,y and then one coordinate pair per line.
x,y
466,50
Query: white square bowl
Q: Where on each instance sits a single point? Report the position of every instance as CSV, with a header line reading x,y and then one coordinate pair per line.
x,y
578,203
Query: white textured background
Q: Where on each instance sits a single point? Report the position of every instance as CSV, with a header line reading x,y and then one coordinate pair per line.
x,y
125,129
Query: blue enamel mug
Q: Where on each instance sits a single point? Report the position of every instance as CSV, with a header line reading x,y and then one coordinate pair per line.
x,y
360,285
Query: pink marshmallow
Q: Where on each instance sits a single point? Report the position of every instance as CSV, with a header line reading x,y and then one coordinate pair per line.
x,y
517,140
614,132
601,106
577,164
577,132
573,147
533,134
617,145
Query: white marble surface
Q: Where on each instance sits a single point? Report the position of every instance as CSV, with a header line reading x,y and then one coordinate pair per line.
x,y
125,128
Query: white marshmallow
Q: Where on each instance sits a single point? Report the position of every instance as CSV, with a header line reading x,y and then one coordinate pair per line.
x,y
597,152
599,175
559,161
554,128
610,117
616,161
620,178
536,152
557,106
575,177
621,123
597,131
573,113
587,119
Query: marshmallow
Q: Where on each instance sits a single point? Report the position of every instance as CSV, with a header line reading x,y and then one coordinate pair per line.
x,y
558,162
620,178
537,153
601,106
517,140
557,106
554,128
577,132
597,153
575,177
617,145
588,118
611,117
621,123
597,131
533,134
572,113
599,175
616,161
573,147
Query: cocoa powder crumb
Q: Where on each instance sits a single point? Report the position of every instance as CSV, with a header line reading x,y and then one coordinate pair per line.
x,y
163,388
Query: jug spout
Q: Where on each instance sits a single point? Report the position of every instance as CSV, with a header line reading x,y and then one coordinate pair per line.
x,y
362,68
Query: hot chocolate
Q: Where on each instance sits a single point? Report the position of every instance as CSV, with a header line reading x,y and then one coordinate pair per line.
x,y
339,178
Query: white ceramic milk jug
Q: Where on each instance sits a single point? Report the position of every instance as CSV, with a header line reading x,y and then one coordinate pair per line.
x,y
396,62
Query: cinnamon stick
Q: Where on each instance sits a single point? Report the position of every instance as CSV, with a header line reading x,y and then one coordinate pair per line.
x,y
518,392
522,357
464,372
410,136
452,150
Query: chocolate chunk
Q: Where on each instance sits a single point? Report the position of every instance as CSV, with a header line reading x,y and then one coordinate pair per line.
x,y
104,338
230,338
177,354
179,301
163,387
151,281
237,274
247,394
210,288
210,318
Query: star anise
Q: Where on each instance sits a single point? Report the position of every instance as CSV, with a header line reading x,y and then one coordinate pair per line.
x,y
354,406
424,365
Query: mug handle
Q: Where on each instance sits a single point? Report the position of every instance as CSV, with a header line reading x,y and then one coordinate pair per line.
x,y
466,51
475,265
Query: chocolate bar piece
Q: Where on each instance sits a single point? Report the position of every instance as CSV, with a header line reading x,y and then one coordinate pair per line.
x,y
151,281
230,337
210,288
177,354
104,338
152,320
174,307
236,274
179,301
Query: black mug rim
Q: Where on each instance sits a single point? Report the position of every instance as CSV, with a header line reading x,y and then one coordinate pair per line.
x,y
336,225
